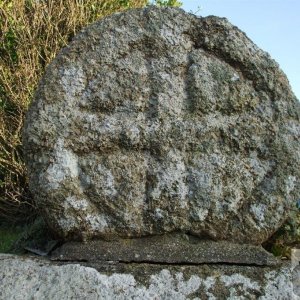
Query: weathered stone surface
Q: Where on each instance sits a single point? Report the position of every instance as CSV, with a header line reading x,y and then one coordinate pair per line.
x,y
167,249
155,120
28,278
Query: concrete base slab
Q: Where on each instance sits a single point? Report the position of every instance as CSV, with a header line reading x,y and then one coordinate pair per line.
x,y
35,278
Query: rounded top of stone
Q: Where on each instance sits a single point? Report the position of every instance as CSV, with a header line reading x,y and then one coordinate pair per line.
x,y
155,120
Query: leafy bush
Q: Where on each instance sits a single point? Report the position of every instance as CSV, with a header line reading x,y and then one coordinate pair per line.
x,y
167,3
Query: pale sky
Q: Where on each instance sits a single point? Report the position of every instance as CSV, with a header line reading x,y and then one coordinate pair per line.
x,y
273,25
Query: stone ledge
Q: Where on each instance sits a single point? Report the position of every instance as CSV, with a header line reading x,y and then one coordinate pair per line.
x,y
34,278
174,248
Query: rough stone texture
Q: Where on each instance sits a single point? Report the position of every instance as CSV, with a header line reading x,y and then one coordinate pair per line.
x,y
167,249
155,120
28,278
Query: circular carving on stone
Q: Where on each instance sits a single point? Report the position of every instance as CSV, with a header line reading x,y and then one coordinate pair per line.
x,y
155,120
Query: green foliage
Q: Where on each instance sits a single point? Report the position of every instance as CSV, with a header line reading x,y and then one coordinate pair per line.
x,y
174,3
9,46
8,236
